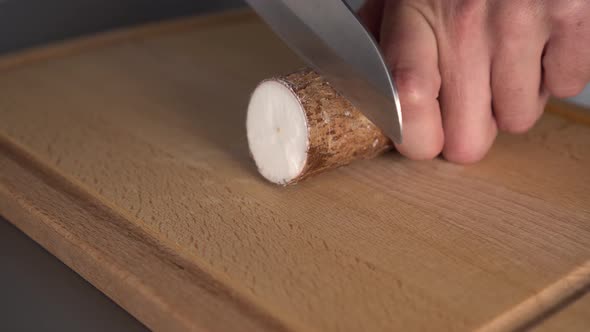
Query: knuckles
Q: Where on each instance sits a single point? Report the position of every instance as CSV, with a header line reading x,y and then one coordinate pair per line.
x,y
416,90
565,14
465,19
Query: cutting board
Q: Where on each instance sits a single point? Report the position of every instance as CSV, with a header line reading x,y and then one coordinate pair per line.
x,y
574,318
125,155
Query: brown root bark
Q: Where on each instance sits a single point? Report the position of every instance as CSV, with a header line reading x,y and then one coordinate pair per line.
x,y
338,133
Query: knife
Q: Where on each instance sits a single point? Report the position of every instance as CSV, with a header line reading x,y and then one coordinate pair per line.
x,y
328,36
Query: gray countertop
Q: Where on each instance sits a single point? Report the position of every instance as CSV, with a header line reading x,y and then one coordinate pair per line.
x,y
39,293
583,98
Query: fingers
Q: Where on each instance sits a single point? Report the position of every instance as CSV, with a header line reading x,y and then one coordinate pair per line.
x,y
410,50
566,65
466,100
518,99
370,14
513,53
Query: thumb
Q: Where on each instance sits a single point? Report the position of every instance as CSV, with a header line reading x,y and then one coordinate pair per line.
x,y
410,48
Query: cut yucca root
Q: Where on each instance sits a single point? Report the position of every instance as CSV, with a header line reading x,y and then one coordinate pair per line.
x,y
298,126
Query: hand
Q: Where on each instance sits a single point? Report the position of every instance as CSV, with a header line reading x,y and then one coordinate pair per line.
x,y
466,68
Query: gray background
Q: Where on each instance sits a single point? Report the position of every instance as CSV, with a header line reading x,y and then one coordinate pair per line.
x,y
37,291
25,23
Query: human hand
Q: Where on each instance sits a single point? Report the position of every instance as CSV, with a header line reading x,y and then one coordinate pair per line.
x,y
466,68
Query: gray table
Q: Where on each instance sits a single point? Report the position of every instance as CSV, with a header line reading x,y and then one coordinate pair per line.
x,y
40,293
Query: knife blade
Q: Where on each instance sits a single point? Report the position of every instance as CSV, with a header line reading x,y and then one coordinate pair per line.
x,y
328,36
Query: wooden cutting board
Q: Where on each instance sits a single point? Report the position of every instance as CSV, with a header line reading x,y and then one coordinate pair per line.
x,y
125,155
574,318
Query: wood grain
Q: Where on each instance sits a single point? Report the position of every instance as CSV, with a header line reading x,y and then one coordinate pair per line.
x,y
129,162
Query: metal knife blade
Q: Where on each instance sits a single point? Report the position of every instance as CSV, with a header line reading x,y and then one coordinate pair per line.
x,y
330,38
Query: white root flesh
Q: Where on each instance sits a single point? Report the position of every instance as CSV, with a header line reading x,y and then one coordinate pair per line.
x,y
298,125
